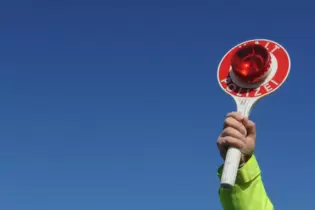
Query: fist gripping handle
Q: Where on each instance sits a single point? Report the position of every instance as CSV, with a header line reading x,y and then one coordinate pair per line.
x,y
233,156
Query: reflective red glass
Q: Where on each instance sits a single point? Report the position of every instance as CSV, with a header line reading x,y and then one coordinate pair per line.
x,y
251,63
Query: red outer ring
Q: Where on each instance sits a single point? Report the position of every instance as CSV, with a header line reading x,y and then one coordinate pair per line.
x,y
280,76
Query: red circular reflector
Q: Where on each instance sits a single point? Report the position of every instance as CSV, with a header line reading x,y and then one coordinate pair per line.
x,y
251,63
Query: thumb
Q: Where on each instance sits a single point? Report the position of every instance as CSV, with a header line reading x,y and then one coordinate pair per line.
x,y
250,126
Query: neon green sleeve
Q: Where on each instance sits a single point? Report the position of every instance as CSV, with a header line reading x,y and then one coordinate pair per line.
x,y
248,192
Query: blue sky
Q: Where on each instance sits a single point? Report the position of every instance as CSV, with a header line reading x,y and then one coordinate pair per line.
x,y
115,104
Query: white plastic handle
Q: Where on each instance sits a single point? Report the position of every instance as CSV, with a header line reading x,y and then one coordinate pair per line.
x,y
231,164
233,155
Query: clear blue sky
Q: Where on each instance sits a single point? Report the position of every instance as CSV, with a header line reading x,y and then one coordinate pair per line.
x,y
115,104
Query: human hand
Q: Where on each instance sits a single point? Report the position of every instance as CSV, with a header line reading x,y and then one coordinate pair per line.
x,y
239,132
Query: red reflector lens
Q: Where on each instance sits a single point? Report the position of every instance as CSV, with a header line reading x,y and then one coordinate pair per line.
x,y
251,63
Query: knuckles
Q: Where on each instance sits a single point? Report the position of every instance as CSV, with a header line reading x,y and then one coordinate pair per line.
x,y
229,131
228,121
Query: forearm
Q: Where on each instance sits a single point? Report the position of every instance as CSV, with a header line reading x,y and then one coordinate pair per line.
x,y
249,192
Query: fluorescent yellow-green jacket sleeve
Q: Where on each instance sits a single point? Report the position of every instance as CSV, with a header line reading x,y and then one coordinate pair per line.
x,y
248,192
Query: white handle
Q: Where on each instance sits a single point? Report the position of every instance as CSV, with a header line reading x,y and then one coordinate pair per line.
x,y
233,155
231,164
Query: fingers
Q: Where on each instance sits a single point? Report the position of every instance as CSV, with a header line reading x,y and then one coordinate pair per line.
x,y
229,141
238,132
229,131
250,127
236,124
236,115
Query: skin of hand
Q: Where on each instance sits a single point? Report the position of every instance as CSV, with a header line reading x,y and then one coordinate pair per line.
x,y
240,132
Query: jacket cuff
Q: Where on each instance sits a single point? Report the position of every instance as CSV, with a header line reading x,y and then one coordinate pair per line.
x,y
248,172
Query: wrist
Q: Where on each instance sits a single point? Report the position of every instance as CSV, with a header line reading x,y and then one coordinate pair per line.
x,y
244,159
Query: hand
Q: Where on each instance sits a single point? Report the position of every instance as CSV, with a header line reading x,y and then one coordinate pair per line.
x,y
239,132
